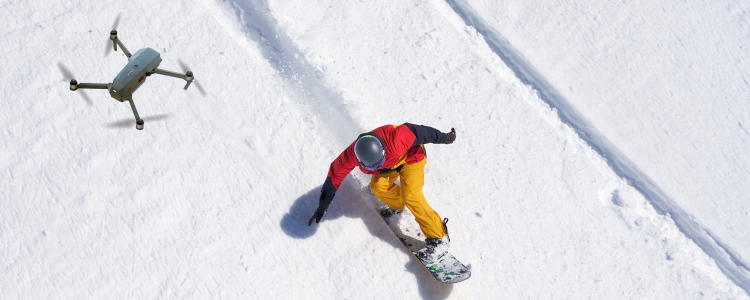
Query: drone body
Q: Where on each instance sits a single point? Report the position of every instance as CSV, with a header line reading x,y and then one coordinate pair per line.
x,y
133,75
142,64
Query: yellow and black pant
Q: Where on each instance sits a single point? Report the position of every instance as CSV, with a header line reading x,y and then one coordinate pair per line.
x,y
409,194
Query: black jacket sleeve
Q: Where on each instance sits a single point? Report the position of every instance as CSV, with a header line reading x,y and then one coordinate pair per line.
x,y
326,195
427,135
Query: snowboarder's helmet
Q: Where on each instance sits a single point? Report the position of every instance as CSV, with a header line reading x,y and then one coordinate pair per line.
x,y
370,152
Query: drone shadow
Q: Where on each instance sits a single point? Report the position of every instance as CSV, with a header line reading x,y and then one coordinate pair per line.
x,y
130,122
354,201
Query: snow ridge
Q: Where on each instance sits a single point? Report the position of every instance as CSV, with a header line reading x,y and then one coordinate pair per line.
x,y
302,77
729,263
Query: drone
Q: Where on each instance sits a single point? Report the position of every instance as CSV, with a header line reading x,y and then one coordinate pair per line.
x,y
142,64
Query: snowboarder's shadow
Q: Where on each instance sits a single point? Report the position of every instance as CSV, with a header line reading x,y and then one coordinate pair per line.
x,y
350,201
354,201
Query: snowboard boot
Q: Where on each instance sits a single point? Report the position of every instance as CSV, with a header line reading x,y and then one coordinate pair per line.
x,y
387,212
433,250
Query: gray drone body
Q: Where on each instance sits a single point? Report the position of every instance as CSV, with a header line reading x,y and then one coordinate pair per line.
x,y
134,74
142,64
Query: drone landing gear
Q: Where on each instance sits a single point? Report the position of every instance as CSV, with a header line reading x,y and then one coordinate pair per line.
x,y
138,120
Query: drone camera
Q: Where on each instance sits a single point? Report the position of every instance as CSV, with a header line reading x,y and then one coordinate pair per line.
x,y
73,85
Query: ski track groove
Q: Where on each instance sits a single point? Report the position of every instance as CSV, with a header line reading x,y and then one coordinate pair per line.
x,y
729,263
284,56
302,77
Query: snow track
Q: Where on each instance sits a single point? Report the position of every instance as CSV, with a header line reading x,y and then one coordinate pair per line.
x,y
284,56
732,266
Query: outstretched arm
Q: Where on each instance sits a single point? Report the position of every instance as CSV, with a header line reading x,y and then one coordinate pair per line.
x,y
326,197
429,135
340,168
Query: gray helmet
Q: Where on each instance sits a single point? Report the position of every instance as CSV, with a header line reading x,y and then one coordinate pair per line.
x,y
370,152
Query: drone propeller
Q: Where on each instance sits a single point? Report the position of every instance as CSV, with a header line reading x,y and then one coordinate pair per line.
x,y
186,69
117,21
110,43
69,75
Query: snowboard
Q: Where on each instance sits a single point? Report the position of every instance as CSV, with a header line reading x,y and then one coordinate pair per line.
x,y
447,269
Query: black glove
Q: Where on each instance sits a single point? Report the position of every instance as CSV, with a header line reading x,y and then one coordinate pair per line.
x,y
315,217
451,136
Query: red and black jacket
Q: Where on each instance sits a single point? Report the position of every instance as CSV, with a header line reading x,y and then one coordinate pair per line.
x,y
399,141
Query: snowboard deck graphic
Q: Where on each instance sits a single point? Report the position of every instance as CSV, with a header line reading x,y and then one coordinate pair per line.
x,y
447,269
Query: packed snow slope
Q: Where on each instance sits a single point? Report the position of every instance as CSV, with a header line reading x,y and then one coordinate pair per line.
x,y
669,79
212,198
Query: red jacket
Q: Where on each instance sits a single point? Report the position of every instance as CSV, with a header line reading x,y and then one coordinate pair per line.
x,y
403,144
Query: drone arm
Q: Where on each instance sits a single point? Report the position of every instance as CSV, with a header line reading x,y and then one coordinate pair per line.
x,y
188,76
124,50
116,41
74,85
100,86
169,73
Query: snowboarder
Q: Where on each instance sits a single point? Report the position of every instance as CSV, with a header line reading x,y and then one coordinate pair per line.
x,y
387,153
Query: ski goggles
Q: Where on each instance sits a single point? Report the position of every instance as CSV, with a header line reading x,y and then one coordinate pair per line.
x,y
376,165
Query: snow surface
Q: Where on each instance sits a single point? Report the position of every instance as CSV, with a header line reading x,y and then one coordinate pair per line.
x,y
601,148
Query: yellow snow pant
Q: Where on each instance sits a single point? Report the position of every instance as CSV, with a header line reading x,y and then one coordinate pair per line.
x,y
409,194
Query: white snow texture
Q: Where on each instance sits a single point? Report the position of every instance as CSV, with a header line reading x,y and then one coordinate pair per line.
x,y
602,148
